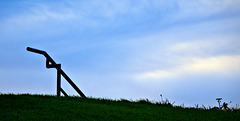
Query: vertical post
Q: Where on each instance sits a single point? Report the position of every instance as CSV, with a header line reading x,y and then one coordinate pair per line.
x,y
58,79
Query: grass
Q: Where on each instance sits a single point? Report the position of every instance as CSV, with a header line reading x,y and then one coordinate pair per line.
x,y
45,107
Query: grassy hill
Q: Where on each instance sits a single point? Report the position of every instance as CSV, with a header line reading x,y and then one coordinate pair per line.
x,y
40,107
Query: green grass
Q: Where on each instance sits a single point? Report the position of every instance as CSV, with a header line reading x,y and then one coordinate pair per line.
x,y
43,107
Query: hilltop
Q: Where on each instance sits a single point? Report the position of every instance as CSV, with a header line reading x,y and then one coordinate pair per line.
x,y
47,107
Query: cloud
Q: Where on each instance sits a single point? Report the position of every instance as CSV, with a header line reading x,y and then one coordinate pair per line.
x,y
206,56
200,7
40,13
92,15
192,47
227,65
219,64
88,10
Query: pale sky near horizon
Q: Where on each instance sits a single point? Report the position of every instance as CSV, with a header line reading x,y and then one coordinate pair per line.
x,y
186,50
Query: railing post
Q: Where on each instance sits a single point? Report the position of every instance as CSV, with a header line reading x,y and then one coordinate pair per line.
x,y
50,63
58,79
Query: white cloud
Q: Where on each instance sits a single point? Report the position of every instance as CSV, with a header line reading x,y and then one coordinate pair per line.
x,y
41,13
110,9
219,64
155,74
95,13
192,47
203,6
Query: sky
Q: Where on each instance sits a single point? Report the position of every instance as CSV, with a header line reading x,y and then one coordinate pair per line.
x,y
186,50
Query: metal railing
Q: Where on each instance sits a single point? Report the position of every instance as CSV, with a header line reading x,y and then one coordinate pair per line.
x,y
50,63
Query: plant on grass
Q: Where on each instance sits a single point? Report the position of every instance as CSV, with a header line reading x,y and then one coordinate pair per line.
x,y
219,101
166,102
196,106
182,105
125,100
204,107
144,101
225,106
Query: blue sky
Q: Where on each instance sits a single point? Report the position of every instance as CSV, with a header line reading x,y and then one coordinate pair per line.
x,y
186,50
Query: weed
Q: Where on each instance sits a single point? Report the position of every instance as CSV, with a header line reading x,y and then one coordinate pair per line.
x,y
144,101
125,100
196,106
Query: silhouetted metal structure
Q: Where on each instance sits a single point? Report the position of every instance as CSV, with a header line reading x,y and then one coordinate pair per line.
x,y
50,63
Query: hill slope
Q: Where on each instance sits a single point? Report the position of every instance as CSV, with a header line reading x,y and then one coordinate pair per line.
x,y
32,107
